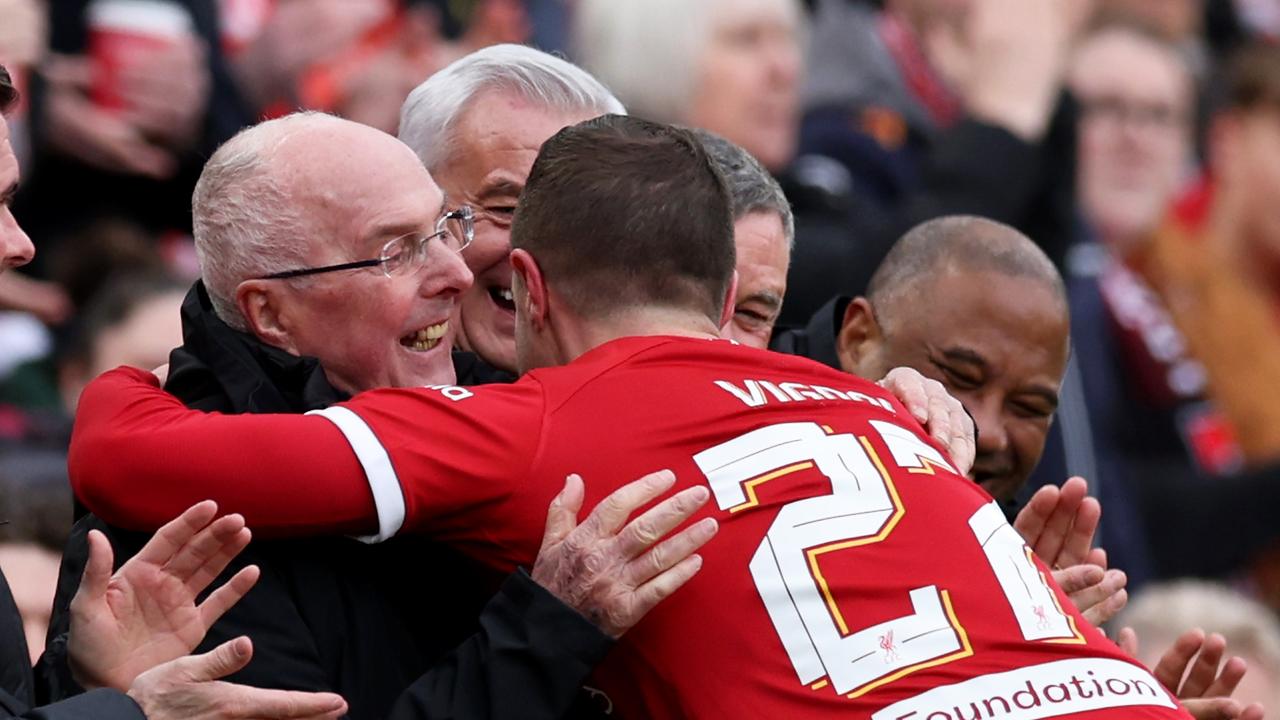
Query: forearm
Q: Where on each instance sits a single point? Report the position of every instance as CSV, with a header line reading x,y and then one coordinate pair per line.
x,y
528,661
96,705
139,458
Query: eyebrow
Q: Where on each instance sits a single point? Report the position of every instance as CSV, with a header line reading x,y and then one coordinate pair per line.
x,y
501,187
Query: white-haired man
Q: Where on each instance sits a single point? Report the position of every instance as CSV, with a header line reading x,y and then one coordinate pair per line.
x,y
331,265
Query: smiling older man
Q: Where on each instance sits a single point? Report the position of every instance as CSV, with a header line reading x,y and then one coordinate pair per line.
x,y
331,265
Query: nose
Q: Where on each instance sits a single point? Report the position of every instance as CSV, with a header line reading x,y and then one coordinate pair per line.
x,y
15,247
445,272
993,439
784,60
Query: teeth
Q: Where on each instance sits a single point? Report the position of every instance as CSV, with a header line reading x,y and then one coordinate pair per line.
x,y
505,294
428,337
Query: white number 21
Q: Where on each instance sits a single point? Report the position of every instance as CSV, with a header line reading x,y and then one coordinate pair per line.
x,y
862,509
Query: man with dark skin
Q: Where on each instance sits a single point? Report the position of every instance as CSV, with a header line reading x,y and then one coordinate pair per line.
x,y
996,336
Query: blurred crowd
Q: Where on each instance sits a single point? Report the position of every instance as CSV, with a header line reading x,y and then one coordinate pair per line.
x,y
1137,142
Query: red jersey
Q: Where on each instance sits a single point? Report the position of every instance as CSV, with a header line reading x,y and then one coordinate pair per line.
x,y
855,573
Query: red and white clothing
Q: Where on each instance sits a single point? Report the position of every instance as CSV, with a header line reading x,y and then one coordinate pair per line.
x,y
854,574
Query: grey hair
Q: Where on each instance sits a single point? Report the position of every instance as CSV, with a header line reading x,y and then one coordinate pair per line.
x,y
751,187
245,224
430,113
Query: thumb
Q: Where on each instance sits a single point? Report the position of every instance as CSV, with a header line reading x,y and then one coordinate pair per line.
x,y
229,657
97,571
562,516
1127,639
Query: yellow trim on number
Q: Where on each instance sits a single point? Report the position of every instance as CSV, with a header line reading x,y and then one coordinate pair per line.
x,y
749,487
965,651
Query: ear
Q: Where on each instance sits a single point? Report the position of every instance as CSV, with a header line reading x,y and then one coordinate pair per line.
x,y
261,303
536,302
730,302
860,335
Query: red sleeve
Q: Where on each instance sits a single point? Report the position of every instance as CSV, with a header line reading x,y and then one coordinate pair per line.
x,y
139,458
461,455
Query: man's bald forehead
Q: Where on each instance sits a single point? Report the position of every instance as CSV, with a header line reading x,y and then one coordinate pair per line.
x,y
959,243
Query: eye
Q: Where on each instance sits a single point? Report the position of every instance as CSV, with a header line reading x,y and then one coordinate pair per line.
x,y
958,379
751,319
1032,409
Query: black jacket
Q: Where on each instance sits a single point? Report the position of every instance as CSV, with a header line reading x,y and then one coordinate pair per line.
x,y
18,687
366,621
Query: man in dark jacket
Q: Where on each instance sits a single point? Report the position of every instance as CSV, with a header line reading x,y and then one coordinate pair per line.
x,y
334,614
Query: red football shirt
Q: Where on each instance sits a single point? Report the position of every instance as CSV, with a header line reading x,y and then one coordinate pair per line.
x,y
854,573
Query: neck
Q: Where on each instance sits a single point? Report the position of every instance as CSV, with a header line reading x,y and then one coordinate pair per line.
x,y
575,338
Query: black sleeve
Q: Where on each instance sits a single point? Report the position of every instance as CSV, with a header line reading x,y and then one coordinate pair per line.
x,y
96,705
528,661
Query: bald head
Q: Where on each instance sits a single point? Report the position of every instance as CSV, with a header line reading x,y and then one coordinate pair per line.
x,y
962,244
265,198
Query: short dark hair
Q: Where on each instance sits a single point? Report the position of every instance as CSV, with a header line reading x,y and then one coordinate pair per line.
x,y
622,212
751,187
1253,78
957,241
8,93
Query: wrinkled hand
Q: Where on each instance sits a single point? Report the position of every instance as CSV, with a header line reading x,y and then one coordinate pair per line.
x,y
80,129
1058,524
1206,690
46,300
187,689
146,613
608,572
942,416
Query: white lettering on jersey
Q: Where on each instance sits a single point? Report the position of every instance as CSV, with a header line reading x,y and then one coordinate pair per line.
x,y
755,393
453,392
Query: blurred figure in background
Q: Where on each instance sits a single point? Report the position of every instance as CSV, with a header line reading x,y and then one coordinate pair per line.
x,y
1161,613
36,498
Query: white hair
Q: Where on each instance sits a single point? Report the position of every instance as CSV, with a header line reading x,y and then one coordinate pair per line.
x,y
245,223
430,114
651,52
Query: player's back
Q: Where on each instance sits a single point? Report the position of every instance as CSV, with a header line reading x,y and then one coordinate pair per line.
x,y
854,573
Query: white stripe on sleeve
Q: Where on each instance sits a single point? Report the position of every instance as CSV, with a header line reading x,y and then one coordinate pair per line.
x,y
387,495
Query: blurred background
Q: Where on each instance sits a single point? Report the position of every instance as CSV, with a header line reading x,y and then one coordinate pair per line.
x,y
1137,141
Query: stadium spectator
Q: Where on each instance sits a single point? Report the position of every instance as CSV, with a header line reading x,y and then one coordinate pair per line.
x,y
164,593
638,338
763,233
37,505
277,250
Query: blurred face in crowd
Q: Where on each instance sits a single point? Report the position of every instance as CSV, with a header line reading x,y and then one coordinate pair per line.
x,y
924,15
142,339
1003,360
15,247
496,142
1246,163
763,258
34,571
1135,133
749,78
362,188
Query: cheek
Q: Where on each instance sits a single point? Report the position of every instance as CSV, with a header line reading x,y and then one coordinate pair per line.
x,y
491,246
1027,437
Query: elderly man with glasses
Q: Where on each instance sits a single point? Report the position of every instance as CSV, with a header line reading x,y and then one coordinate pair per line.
x,y
331,264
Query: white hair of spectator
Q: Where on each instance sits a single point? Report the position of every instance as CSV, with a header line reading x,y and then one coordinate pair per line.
x,y
430,114
245,225
751,187
1161,612
650,52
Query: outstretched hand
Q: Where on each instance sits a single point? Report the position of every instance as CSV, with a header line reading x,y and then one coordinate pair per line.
x,y
1205,691
146,613
612,574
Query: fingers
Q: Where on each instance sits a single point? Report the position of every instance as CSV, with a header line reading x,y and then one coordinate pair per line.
x,y
613,511
907,385
222,599
1054,537
562,515
671,552
661,587
1079,540
640,534
1233,671
1174,662
229,657
1107,609
262,704
1078,578
97,571
177,533
206,555
1127,639
1254,711
1220,708
963,446
1205,668
1033,517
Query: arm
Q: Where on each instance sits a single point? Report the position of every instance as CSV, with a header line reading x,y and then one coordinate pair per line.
x,y
139,457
